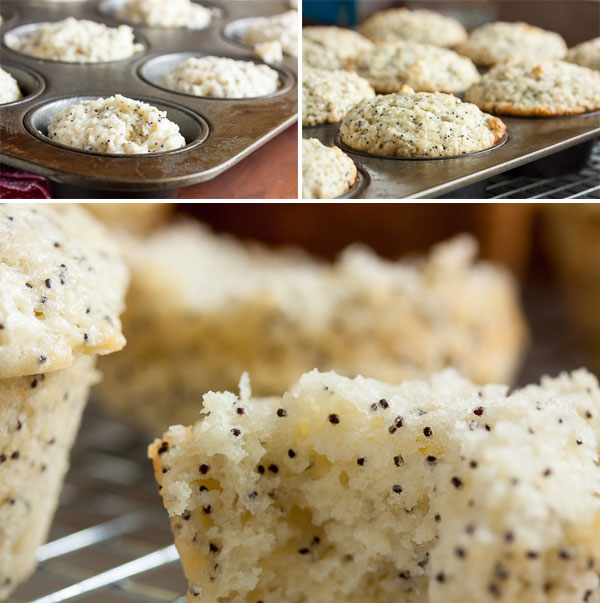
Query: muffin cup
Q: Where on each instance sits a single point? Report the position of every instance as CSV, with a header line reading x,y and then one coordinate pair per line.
x,y
39,419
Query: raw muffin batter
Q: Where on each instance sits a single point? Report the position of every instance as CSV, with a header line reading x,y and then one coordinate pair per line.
x,y
419,124
283,28
327,172
171,13
115,125
77,41
9,88
359,491
222,77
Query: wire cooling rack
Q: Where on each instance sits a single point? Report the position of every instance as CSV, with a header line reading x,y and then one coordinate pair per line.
x,y
584,184
110,540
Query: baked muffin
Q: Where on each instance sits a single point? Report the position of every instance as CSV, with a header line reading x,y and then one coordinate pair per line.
x,y
501,41
425,26
586,54
419,124
203,308
328,95
135,217
359,491
62,287
537,88
320,57
327,172
343,43
423,67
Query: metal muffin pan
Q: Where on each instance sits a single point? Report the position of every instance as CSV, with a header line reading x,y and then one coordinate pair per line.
x,y
528,140
218,132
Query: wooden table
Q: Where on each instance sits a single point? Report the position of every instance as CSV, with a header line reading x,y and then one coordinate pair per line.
x,y
271,172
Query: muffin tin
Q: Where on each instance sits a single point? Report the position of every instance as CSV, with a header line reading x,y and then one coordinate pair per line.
x,y
396,178
218,132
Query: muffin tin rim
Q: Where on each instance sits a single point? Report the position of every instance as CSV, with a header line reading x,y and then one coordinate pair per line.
x,y
338,142
363,179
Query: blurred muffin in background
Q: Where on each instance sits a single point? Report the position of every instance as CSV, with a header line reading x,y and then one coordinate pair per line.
x,y
204,308
133,217
572,235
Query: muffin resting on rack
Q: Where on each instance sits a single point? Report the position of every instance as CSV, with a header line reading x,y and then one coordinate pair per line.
x,y
359,491
62,287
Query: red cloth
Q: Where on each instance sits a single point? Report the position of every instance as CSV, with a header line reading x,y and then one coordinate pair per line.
x,y
21,185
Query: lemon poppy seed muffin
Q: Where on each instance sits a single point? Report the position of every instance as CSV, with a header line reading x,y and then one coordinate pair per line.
x,y
318,56
423,67
419,124
135,217
327,172
501,41
425,26
537,88
586,54
62,287
357,490
203,308
345,43
328,95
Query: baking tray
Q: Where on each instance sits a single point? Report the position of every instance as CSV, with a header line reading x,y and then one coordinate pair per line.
x,y
219,132
528,140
